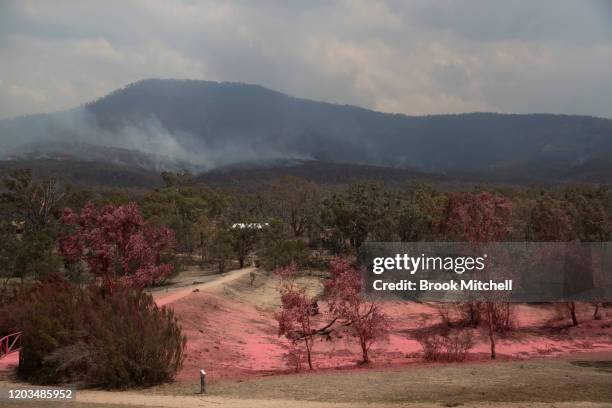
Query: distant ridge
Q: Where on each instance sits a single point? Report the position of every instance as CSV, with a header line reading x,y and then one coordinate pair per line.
x,y
202,126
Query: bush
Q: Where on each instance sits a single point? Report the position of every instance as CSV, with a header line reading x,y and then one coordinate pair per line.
x,y
294,357
446,346
93,338
473,314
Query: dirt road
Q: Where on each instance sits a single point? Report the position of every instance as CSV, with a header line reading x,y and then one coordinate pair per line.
x,y
171,295
139,400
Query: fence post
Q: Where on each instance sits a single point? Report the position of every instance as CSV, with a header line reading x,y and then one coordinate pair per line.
x,y
202,381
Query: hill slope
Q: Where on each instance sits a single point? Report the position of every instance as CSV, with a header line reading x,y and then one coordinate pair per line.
x,y
206,125
86,173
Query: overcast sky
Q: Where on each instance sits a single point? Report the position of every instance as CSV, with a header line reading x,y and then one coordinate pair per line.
x,y
413,57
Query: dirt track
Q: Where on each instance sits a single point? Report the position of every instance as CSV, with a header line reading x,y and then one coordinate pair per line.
x,y
173,294
135,399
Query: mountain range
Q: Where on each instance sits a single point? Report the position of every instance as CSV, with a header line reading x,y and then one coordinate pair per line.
x,y
231,132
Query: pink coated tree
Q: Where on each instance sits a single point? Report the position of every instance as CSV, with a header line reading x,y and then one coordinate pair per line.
x,y
117,245
478,219
550,221
347,303
294,318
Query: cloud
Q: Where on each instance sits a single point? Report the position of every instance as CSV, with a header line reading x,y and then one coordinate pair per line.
x,y
417,57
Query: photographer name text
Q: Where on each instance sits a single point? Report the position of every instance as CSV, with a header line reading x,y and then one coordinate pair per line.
x,y
447,286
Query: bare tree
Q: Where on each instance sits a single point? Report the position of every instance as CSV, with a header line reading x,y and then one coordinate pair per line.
x,y
33,202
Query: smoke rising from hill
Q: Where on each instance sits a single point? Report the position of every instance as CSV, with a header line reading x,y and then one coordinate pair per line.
x,y
145,143
201,125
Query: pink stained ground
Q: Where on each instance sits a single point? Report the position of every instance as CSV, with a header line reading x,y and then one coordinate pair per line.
x,y
232,333
9,362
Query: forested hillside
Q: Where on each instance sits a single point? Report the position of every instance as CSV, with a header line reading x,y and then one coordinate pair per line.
x,y
204,125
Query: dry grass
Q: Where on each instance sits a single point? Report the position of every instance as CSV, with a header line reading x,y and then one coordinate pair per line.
x,y
586,377
576,381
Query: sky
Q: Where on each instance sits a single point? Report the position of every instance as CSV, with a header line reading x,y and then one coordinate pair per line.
x,y
414,57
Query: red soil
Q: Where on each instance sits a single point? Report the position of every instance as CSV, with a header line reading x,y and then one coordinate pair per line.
x,y
9,362
226,338
232,339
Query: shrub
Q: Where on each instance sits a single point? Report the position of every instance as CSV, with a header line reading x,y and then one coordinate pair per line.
x,y
294,357
474,313
92,337
446,346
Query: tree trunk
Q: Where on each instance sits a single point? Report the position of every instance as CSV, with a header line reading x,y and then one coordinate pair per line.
x,y
202,255
241,260
491,332
364,352
473,314
596,315
572,309
221,265
492,340
308,352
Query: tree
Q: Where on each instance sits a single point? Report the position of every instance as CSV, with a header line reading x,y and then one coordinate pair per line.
x,y
416,214
221,248
207,230
478,218
243,238
242,218
177,179
591,216
294,318
589,211
295,202
28,226
550,221
117,245
475,218
364,211
182,208
364,317
277,250
28,255
33,203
